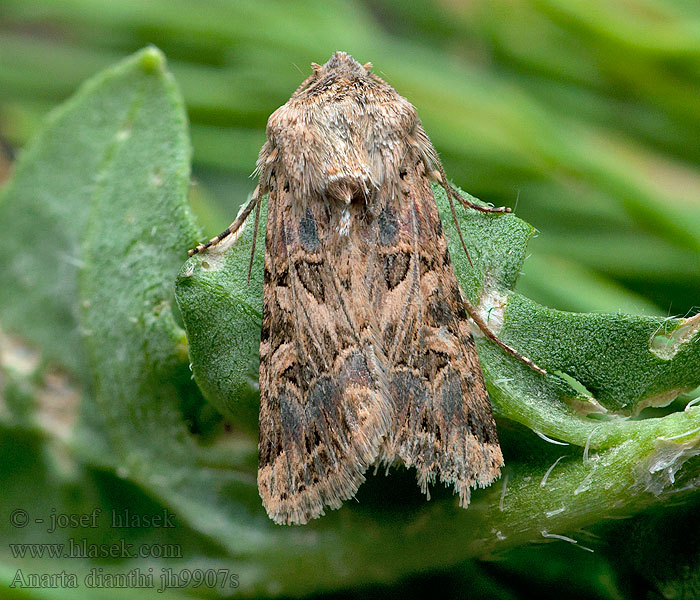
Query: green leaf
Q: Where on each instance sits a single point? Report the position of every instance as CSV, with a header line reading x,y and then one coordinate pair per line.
x,y
131,248
222,312
46,207
129,235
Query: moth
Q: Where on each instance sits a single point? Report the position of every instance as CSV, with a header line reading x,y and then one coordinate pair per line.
x,y
366,352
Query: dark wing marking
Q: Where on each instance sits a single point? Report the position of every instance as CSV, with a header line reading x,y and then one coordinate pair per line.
x,y
443,421
325,406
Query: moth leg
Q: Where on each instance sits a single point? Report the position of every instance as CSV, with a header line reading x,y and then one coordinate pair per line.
x,y
474,314
255,237
308,80
471,309
486,209
233,227
451,191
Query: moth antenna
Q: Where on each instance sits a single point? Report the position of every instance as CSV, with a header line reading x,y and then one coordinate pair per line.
x,y
232,228
449,190
255,237
428,157
471,309
456,222
305,83
378,79
463,201
485,209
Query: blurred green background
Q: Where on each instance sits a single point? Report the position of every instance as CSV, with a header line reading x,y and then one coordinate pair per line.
x,y
581,114
584,116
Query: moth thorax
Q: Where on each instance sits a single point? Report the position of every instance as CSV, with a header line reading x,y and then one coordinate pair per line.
x,y
348,188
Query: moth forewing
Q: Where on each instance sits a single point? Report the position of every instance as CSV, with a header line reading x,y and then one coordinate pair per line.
x,y
366,353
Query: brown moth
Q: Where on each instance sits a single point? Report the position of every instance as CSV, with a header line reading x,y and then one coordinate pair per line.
x,y
366,353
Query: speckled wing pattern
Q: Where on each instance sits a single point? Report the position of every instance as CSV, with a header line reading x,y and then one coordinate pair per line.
x,y
366,353
325,405
443,424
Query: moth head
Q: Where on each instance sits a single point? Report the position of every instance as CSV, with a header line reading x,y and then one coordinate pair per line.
x,y
341,63
341,135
